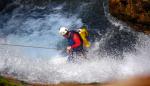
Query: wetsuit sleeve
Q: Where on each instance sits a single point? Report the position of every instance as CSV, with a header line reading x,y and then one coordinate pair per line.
x,y
76,40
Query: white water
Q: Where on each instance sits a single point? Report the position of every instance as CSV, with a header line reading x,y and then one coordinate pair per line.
x,y
39,65
55,69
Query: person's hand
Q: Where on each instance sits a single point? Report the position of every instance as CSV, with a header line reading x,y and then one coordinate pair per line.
x,y
69,49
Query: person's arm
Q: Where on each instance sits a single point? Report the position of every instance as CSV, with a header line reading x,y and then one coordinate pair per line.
x,y
77,41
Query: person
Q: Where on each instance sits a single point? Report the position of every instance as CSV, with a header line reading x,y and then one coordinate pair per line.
x,y
75,42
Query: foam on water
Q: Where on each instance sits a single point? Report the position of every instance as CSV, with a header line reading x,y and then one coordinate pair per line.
x,y
50,66
57,69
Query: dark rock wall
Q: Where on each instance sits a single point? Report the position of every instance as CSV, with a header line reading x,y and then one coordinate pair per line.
x,y
134,12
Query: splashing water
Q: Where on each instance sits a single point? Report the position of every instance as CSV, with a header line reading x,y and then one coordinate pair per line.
x,y
39,65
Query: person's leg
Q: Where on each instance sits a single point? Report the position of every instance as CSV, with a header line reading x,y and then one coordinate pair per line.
x,y
70,57
81,54
84,54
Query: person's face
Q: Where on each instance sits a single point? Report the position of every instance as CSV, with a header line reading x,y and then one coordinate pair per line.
x,y
66,36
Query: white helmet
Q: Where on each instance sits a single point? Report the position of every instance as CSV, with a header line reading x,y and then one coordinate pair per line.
x,y
63,30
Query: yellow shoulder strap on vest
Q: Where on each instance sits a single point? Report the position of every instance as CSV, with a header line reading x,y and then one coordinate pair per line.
x,y
84,33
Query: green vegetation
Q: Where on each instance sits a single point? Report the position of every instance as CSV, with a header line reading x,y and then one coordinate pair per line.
x,y
9,82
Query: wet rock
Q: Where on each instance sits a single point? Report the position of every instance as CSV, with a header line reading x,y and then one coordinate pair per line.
x,y
136,13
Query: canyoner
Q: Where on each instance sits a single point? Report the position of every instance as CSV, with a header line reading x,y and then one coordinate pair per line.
x,y
78,42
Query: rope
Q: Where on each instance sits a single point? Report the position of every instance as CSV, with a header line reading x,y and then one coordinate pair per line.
x,y
28,46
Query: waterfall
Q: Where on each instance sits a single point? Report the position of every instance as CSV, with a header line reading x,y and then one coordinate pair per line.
x,y
116,53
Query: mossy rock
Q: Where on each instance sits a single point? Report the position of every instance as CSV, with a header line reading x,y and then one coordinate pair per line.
x,y
10,82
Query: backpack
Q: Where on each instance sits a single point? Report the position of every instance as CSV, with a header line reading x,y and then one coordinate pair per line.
x,y
84,36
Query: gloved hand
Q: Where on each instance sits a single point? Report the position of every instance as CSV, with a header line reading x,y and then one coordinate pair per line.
x,y
69,49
